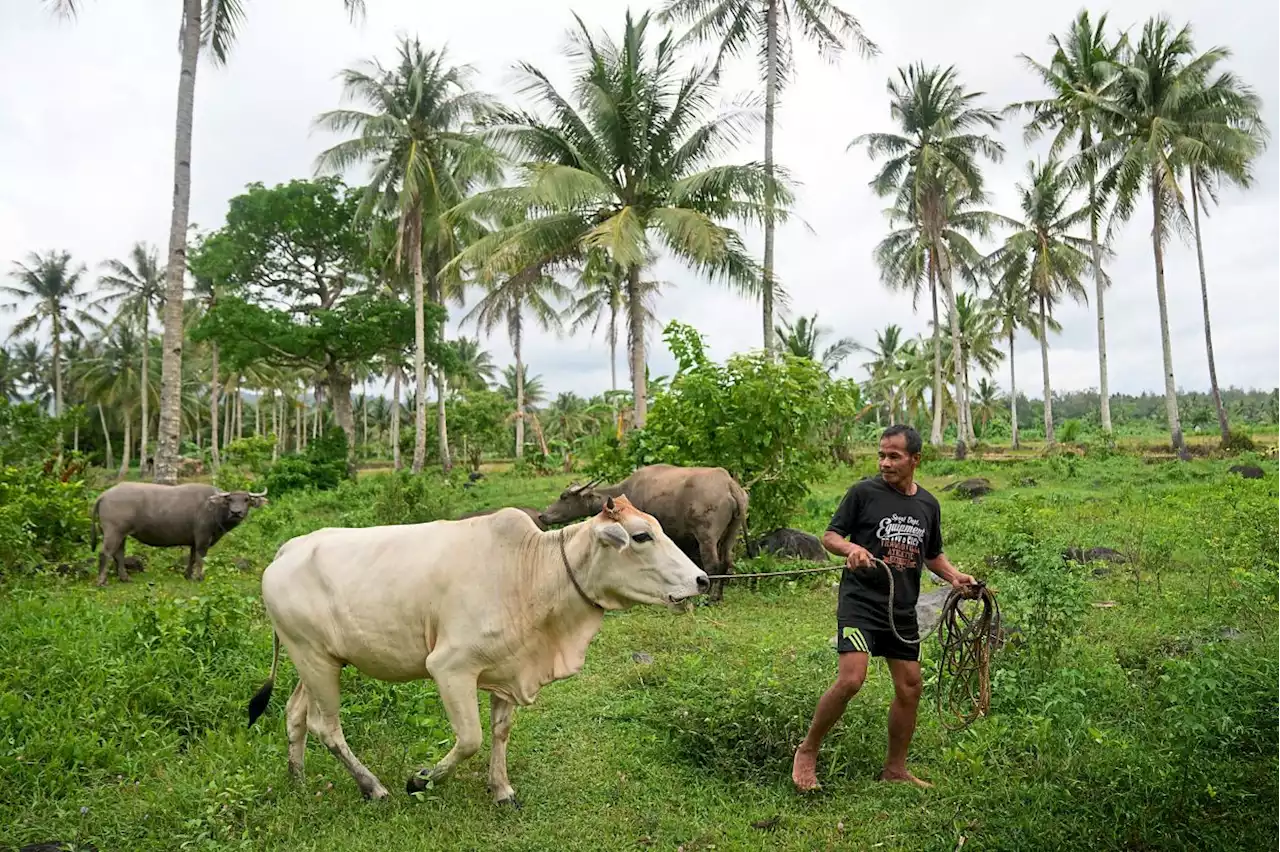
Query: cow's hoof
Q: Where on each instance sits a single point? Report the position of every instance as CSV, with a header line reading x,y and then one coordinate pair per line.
x,y
510,802
418,781
377,794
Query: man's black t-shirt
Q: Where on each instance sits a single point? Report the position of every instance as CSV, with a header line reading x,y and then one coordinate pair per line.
x,y
904,532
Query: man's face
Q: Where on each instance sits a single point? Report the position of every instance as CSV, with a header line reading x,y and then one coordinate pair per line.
x,y
897,466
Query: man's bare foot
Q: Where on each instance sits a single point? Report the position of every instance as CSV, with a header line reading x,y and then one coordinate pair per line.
x,y
804,771
903,776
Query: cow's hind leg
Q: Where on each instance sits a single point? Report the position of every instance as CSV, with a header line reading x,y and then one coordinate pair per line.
x,y
113,550
502,715
321,679
296,725
461,705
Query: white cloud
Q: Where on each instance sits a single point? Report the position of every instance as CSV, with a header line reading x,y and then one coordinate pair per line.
x,y
86,138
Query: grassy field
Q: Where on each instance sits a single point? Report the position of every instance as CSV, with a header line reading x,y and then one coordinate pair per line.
x,y
1149,723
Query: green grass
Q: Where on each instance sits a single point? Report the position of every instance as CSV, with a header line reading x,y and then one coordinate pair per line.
x,y
1137,726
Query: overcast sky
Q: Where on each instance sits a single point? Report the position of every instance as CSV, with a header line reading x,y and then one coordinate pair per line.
x,y
86,154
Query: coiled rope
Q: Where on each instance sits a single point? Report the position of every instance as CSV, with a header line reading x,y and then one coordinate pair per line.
x,y
967,637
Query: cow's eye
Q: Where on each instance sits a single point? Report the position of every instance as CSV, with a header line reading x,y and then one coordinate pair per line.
x,y
641,537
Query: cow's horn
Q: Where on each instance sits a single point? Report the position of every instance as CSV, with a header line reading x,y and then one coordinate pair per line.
x,y
262,493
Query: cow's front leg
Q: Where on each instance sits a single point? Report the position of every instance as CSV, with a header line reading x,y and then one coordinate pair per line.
x,y
458,694
502,715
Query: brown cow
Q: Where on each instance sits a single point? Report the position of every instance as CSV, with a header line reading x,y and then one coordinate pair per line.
x,y
702,509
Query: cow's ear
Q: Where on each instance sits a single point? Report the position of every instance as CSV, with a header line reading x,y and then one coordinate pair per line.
x,y
215,499
612,535
257,501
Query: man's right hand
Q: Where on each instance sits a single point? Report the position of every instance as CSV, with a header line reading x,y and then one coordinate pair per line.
x,y
858,557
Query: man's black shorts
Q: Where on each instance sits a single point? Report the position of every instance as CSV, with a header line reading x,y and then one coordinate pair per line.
x,y
851,636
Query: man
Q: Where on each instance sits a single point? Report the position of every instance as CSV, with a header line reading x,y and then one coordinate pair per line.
x,y
891,518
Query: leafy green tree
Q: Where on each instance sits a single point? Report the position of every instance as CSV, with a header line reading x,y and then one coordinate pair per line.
x,y
10,376
52,285
736,25
474,368
212,29
632,160
1081,76
418,137
931,172
480,420
290,262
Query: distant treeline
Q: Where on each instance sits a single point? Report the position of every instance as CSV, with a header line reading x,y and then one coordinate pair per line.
x,y
1254,407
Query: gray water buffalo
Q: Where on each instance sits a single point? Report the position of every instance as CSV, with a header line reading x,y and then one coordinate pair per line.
x,y
192,515
702,509
534,514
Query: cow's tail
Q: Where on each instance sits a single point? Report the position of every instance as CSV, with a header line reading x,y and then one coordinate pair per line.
x,y
258,702
93,525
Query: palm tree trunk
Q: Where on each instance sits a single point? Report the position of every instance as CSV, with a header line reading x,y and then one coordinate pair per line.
x,y
1223,426
970,435
364,415
146,381
215,459
1166,347
57,369
1049,437
106,438
124,448
515,345
414,227
275,425
635,310
935,434
944,277
1104,393
770,105
442,421
1013,396
166,471
395,421
257,414
239,407
613,346
299,413
227,408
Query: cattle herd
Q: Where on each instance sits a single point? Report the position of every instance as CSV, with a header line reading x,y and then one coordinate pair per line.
x,y
496,600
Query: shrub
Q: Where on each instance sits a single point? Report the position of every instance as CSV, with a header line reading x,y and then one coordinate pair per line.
x,y
768,421
1069,432
42,517
321,467
1238,442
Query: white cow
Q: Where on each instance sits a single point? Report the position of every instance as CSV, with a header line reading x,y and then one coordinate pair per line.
x,y
488,603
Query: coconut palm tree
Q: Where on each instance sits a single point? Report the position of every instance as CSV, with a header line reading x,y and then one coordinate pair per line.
x,y
884,365
53,286
473,366
977,324
1219,148
630,161
524,296
986,402
933,168
136,288
737,25
1159,109
417,135
1081,76
114,380
602,297
1046,255
10,377
1011,303
213,29
801,340
31,362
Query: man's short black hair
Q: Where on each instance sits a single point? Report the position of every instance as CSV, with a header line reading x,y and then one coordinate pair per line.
x,y
910,435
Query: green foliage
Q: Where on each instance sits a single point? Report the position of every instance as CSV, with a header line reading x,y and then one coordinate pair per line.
x,y
403,498
1069,432
1041,594
320,468
27,433
44,518
1238,442
764,420
479,416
